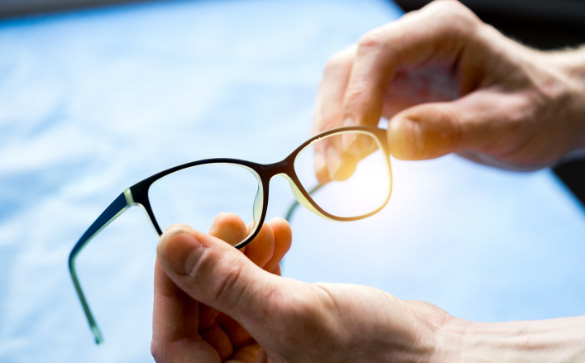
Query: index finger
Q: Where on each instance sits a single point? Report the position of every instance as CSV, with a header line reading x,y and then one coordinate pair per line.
x,y
329,111
329,104
436,32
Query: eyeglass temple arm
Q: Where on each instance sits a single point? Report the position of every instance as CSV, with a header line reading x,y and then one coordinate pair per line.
x,y
113,211
295,203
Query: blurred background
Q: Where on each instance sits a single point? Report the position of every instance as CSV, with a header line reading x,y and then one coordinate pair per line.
x,y
95,96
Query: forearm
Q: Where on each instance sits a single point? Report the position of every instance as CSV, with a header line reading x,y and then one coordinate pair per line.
x,y
571,64
572,61
556,340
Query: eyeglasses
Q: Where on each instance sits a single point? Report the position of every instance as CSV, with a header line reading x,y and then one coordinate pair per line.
x,y
194,193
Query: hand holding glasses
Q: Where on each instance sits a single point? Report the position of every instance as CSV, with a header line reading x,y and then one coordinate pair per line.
x,y
194,193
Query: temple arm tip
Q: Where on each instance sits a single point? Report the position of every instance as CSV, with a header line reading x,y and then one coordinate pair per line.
x,y
99,339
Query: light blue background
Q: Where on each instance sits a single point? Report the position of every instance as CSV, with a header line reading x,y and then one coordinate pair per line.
x,y
93,101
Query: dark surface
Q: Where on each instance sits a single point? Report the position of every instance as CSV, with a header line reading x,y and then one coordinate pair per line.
x,y
18,8
543,24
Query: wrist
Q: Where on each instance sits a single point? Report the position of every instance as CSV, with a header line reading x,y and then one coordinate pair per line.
x,y
570,65
555,340
450,340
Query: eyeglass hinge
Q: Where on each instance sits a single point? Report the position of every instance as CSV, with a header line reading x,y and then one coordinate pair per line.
x,y
129,198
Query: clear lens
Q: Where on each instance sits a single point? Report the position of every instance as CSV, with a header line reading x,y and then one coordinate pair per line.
x,y
365,185
196,195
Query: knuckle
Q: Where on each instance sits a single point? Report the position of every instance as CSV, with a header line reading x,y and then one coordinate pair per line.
x,y
227,286
330,121
338,62
450,24
361,98
446,6
372,40
453,16
327,118
352,95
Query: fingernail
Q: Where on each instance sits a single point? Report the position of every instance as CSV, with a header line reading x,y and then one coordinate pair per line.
x,y
176,251
406,139
333,161
348,122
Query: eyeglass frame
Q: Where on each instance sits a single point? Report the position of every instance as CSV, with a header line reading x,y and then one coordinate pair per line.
x,y
137,194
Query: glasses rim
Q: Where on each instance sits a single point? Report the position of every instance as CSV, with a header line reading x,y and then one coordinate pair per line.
x,y
137,194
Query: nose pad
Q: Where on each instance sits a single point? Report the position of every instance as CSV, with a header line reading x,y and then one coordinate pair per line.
x,y
302,199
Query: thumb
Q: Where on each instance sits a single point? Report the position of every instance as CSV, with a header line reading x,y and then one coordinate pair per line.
x,y
431,130
215,273
424,132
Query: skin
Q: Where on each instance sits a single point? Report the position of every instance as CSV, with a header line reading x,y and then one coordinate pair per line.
x,y
447,83
213,303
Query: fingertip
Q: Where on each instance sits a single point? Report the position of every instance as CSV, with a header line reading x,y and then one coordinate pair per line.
x,y
282,242
168,237
169,234
278,221
405,138
229,227
261,249
425,131
175,250
281,228
179,226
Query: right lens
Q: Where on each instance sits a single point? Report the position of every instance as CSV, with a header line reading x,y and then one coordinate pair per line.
x,y
196,195
363,190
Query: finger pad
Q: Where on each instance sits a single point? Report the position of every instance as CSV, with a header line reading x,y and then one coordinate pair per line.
x,y
261,249
229,227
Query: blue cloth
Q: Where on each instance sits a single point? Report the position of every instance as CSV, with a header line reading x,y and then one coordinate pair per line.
x,y
94,101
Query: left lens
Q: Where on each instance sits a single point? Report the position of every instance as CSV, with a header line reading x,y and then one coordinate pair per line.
x,y
196,195
362,186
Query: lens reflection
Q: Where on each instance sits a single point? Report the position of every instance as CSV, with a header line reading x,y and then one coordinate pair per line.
x,y
360,186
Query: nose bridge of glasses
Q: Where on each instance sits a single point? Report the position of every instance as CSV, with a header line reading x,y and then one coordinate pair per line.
x,y
286,169
284,166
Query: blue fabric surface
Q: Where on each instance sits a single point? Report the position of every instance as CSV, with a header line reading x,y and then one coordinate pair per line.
x,y
94,101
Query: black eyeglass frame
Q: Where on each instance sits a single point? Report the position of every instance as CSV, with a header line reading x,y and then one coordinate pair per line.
x,y
137,194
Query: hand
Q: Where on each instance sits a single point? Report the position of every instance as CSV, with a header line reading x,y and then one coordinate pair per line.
x,y
449,83
215,304
184,329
